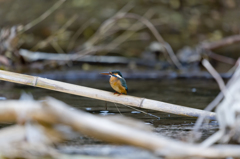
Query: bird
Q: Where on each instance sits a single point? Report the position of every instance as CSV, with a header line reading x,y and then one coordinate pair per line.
x,y
117,82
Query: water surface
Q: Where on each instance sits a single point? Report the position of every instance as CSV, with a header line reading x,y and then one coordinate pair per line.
x,y
195,93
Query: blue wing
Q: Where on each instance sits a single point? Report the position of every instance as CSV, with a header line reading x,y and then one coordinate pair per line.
x,y
123,82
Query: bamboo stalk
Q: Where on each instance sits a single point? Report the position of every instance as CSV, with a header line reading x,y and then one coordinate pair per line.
x,y
103,95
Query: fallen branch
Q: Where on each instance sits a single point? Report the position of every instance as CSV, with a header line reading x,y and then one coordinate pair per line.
x,y
103,95
35,56
52,112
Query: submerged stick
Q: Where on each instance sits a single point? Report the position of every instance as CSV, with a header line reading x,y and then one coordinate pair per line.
x,y
103,95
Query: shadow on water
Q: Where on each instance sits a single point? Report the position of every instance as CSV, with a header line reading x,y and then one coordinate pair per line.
x,y
196,93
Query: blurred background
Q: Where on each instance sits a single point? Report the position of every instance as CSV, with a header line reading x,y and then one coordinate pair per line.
x,y
90,27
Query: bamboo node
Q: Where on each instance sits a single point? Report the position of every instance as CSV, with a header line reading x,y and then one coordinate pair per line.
x,y
140,104
35,81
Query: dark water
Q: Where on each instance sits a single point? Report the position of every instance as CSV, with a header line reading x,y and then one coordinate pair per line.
x,y
196,93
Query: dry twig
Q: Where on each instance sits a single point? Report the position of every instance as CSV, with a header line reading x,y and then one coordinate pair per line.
x,y
227,111
223,42
106,25
77,34
155,33
52,39
43,16
208,47
216,76
219,97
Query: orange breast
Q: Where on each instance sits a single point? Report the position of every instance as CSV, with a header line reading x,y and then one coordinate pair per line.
x,y
116,85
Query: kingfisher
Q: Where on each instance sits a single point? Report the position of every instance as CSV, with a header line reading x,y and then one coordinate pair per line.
x,y
117,82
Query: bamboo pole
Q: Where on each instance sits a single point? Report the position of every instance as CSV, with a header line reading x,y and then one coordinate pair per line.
x,y
103,95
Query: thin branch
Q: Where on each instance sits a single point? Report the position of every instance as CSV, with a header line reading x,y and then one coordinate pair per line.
x,y
208,47
145,22
210,107
223,42
56,46
54,36
221,58
77,34
212,139
216,76
215,102
155,33
142,111
124,36
100,33
117,108
223,110
91,50
43,16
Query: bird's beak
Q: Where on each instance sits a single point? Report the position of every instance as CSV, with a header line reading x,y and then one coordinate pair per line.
x,y
105,73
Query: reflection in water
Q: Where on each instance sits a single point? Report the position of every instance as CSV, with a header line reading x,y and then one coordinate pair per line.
x,y
194,93
3,98
135,112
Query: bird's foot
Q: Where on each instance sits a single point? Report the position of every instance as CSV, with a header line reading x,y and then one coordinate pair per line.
x,y
117,93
